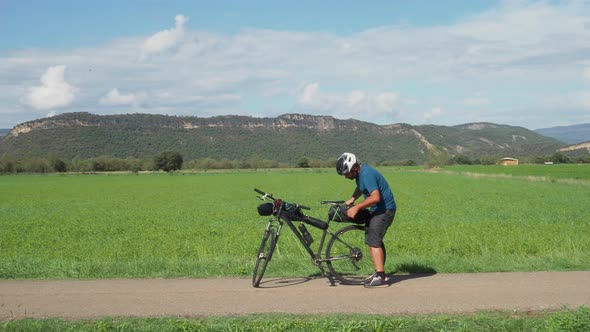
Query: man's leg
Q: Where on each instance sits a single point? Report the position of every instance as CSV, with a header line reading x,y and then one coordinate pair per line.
x,y
379,279
378,257
376,230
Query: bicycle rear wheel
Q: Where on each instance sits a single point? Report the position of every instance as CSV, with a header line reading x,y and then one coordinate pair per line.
x,y
348,257
267,247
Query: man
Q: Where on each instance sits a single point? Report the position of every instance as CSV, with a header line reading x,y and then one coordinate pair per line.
x,y
379,198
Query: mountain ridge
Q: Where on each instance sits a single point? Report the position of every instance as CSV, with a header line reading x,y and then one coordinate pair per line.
x,y
573,134
85,119
285,138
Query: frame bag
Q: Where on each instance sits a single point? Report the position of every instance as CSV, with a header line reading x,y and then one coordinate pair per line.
x,y
338,214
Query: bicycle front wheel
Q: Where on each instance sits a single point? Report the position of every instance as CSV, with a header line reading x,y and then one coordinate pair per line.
x,y
348,257
267,246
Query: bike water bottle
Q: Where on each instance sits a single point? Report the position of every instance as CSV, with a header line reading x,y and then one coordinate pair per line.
x,y
306,235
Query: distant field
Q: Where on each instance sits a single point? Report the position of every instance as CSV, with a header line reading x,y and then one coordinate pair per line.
x,y
550,172
205,224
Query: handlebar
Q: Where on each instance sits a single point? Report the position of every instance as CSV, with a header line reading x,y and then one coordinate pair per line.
x,y
270,197
262,193
294,212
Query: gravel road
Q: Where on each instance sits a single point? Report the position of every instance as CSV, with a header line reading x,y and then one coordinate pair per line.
x,y
410,294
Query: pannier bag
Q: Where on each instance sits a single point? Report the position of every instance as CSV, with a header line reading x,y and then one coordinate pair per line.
x,y
338,214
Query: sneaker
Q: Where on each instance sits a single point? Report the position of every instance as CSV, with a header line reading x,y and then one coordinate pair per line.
x,y
377,281
367,279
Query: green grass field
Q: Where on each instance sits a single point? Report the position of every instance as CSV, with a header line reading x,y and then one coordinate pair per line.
x,y
206,225
564,320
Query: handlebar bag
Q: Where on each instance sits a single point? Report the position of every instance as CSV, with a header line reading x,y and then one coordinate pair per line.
x,y
265,209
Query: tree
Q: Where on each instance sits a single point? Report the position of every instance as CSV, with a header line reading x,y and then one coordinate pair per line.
x,y
59,165
462,159
303,162
7,164
168,161
559,158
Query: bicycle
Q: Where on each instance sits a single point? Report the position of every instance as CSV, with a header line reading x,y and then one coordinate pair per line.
x,y
346,254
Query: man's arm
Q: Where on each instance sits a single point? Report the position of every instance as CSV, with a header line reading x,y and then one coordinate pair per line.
x,y
355,195
373,199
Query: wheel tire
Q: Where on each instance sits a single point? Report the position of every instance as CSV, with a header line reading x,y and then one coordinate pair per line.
x,y
267,247
352,262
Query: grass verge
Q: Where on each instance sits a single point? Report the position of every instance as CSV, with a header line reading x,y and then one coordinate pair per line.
x,y
566,319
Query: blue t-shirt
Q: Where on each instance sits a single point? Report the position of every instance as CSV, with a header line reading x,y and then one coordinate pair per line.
x,y
369,180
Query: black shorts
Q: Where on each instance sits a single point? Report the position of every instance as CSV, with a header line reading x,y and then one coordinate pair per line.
x,y
376,228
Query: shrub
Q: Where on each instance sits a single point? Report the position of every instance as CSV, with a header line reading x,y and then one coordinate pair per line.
x,y
462,159
168,161
59,165
303,162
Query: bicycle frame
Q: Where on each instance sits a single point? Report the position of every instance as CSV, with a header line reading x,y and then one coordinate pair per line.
x,y
343,251
315,256
308,248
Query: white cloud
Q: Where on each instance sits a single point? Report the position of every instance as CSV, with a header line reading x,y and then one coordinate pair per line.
x,y
477,99
583,99
356,104
519,53
432,114
165,39
54,91
115,98
356,98
310,95
387,101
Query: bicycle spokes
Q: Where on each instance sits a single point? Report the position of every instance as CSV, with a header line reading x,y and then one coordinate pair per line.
x,y
347,256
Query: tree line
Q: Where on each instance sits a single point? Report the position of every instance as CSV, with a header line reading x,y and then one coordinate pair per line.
x,y
167,161
170,161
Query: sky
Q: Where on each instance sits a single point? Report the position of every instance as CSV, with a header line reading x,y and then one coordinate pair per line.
x,y
515,62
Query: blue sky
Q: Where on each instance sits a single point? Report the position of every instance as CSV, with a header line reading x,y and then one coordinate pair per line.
x,y
517,62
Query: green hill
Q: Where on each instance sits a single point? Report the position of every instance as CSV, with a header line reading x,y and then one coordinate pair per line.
x,y
286,138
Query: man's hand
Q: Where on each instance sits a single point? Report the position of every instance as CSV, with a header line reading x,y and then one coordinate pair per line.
x,y
373,199
352,211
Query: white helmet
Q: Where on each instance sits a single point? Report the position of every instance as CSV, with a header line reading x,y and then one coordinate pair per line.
x,y
345,163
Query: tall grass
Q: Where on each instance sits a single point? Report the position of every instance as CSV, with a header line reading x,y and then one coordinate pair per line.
x,y
205,224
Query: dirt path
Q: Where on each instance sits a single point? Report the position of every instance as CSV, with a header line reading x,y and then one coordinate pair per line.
x,y
415,294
